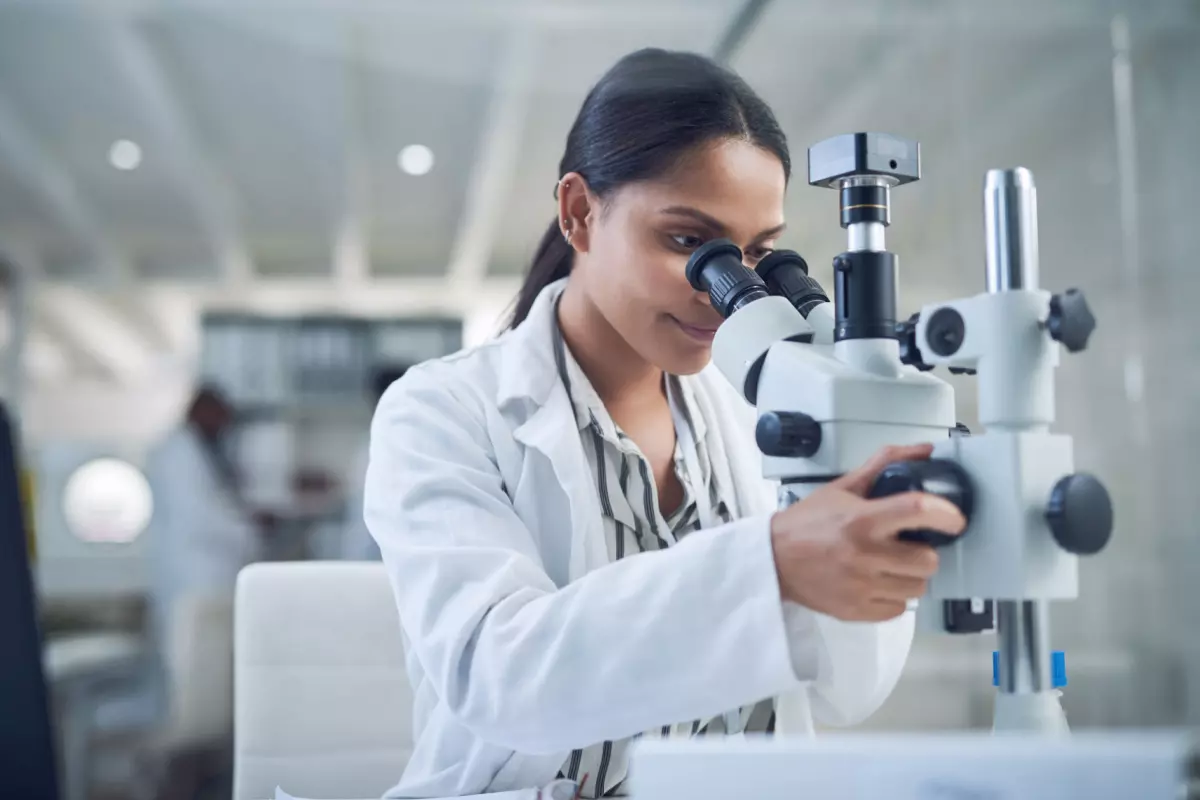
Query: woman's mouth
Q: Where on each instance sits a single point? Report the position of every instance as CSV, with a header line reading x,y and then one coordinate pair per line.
x,y
701,333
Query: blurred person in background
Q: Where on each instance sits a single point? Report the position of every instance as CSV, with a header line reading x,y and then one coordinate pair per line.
x,y
573,516
203,530
203,533
357,544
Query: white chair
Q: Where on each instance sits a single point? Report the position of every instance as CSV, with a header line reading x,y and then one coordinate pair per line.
x,y
197,654
322,705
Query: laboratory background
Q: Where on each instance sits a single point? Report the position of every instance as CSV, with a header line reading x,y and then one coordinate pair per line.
x,y
254,214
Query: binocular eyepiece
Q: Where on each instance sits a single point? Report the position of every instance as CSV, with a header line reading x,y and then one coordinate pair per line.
x,y
717,268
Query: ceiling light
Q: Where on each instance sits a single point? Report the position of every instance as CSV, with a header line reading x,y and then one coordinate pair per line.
x,y
125,155
416,159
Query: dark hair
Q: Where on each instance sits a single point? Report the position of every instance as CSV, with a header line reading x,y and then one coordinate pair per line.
x,y
384,376
209,395
647,112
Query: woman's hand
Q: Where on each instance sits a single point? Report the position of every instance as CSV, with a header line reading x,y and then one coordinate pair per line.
x,y
837,552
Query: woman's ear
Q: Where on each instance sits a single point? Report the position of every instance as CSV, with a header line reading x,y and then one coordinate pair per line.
x,y
576,205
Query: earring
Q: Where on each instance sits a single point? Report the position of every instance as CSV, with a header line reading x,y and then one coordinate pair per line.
x,y
566,232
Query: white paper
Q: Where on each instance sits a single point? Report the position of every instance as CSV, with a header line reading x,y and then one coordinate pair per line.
x,y
555,790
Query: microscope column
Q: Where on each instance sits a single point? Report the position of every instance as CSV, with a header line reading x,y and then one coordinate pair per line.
x,y
865,340
1027,700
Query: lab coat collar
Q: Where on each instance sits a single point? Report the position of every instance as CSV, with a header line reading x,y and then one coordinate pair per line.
x,y
528,373
530,392
527,369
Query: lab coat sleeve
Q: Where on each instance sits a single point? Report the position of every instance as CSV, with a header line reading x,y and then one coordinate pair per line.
x,y
857,664
663,637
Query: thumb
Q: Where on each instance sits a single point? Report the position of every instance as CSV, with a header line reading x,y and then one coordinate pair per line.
x,y
859,481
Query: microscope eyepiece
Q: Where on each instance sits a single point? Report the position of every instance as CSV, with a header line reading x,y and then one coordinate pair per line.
x,y
717,268
785,272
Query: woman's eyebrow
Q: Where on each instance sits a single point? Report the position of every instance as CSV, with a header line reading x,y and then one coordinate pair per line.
x,y
696,214
771,233
715,224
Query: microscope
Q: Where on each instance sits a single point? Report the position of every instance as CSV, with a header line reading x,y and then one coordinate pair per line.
x,y
833,383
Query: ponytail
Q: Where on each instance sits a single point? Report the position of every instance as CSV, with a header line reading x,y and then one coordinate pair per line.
x,y
551,261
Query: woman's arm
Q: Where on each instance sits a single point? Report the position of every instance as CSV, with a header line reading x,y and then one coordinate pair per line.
x,y
677,634
846,578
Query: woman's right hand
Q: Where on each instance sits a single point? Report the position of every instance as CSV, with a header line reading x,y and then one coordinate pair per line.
x,y
837,552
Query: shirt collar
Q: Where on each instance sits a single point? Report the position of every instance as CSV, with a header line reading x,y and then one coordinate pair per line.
x,y
687,395
589,408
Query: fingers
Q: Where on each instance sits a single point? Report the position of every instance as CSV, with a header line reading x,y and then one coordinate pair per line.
x,y
885,517
898,588
883,610
860,480
905,559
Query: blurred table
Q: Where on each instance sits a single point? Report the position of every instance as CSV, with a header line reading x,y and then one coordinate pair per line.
x,y
81,669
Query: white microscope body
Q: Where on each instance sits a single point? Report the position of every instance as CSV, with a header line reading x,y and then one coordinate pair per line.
x,y
833,383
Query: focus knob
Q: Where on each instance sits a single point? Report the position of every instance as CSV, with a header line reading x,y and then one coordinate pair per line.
x,y
1070,321
937,476
906,333
788,434
1080,514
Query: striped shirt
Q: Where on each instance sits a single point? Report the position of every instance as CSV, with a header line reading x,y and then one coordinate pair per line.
x,y
633,523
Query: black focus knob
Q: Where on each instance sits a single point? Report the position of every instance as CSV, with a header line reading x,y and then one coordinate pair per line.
x,y
937,476
906,333
1080,514
788,434
1070,321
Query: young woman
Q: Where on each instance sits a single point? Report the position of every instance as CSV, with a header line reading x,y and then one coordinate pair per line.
x,y
581,545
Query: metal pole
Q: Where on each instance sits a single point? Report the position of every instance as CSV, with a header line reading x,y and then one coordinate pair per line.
x,y
1010,229
1023,636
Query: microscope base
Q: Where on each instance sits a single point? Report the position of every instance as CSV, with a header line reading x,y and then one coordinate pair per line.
x,y
1037,713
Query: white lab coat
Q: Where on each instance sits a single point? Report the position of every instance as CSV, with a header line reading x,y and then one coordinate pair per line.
x,y
201,534
356,543
522,641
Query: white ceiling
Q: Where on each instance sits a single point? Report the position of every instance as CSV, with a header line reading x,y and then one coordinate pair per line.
x,y
270,131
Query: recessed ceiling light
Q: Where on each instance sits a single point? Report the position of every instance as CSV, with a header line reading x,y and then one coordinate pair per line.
x,y
125,155
416,159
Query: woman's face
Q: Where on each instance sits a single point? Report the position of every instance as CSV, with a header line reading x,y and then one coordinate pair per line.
x,y
639,242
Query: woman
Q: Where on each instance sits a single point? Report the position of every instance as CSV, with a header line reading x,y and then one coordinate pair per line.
x,y
572,515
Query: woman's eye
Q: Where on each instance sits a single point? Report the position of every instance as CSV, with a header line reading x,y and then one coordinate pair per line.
x,y
687,242
757,254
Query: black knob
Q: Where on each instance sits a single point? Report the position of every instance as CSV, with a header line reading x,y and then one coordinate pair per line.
x,y
945,331
788,434
1080,514
937,476
906,333
1070,321
960,429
